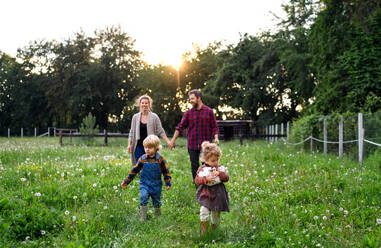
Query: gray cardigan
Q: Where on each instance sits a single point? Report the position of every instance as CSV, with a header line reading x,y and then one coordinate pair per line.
x,y
153,127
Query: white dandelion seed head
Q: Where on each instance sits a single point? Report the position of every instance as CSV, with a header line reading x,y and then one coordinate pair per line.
x,y
38,194
75,197
23,179
324,217
378,221
43,232
345,212
341,209
67,212
74,218
94,185
115,187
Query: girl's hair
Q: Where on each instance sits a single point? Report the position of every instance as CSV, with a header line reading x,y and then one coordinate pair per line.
x,y
137,102
152,141
209,150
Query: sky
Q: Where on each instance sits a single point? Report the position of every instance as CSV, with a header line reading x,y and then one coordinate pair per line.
x,y
163,29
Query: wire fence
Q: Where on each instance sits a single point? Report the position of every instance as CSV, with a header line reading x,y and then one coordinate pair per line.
x,y
356,136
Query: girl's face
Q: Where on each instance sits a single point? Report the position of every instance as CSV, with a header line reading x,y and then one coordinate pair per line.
x,y
144,105
212,161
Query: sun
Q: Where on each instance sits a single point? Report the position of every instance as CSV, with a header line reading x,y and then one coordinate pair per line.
x,y
169,59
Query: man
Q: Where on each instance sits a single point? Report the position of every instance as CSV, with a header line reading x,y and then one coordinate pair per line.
x,y
201,125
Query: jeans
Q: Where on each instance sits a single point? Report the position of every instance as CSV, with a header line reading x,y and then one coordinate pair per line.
x,y
194,156
139,151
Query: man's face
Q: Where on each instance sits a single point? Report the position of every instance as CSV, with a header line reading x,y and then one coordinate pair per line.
x,y
194,100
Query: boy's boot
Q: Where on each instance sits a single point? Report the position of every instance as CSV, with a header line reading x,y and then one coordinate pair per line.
x,y
203,227
143,213
157,212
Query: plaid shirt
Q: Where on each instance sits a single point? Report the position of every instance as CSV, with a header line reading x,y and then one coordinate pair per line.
x,y
201,125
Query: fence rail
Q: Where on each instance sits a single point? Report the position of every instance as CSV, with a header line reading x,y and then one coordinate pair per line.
x,y
272,131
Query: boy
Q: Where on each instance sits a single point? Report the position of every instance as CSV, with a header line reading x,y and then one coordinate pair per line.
x,y
151,165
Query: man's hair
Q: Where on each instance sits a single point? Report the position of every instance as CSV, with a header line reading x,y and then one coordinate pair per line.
x,y
195,92
152,141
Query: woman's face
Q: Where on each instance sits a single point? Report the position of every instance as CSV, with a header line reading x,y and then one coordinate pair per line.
x,y
144,105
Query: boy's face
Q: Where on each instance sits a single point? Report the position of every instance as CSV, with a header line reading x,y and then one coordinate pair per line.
x,y
150,151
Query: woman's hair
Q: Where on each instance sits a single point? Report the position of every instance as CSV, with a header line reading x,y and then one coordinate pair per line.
x,y
152,141
137,102
209,150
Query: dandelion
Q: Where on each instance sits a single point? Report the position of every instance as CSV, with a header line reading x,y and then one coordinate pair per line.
x,y
316,217
324,217
378,221
75,197
73,218
23,179
43,232
94,185
345,212
105,207
38,194
115,187
341,209
27,238
67,212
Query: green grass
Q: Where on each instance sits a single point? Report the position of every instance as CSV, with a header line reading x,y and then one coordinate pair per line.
x,y
70,196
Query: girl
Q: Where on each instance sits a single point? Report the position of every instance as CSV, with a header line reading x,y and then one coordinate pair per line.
x,y
211,196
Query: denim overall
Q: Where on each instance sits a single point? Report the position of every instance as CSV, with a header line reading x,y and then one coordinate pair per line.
x,y
150,182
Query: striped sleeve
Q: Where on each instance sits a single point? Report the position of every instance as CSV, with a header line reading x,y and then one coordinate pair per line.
x,y
134,171
165,171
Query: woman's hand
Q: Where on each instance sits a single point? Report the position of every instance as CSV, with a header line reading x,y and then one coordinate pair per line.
x,y
129,149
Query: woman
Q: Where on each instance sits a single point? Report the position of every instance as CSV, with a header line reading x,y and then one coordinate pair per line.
x,y
143,124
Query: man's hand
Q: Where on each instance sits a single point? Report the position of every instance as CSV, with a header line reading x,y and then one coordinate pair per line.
x,y
167,187
129,149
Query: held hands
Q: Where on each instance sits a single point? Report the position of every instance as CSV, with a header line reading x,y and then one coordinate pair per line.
x,y
216,140
167,187
215,173
172,144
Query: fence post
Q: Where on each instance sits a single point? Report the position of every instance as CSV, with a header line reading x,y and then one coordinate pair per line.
x,y
276,132
48,131
281,129
325,134
9,133
288,130
105,134
54,132
35,132
272,133
361,138
341,136
267,132
311,144
22,132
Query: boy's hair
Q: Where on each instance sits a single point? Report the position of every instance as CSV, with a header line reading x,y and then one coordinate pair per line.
x,y
152,141
209,150
195,92
137,102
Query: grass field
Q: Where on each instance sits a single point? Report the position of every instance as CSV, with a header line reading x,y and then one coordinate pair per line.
x,y
69,196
